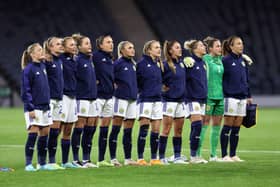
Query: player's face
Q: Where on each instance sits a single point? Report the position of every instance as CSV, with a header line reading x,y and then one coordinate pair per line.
x,y
176,50
237,46
128,50
56,46
216,50
37,54
85,46
70,46
200,49
155,50
107,44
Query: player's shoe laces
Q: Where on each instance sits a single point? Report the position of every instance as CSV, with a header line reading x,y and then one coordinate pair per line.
x,y
155,162
179,160
142,162
89,164
116,163
104,163
30,168
236,159
164,161
68,165
130,162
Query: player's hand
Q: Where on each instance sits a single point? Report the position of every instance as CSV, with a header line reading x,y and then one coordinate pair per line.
x,y
32,114
249,100
164,88
247,59
189,62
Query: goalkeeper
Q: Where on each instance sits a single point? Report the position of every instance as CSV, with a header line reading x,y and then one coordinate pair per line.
x,y
215,100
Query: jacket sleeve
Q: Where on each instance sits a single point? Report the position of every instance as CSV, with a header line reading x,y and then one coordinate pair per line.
x,y
26,90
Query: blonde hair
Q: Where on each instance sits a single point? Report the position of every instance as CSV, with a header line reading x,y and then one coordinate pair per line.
x,y
78,38
46,47
121,46
147,47
166,48
26,57
191,45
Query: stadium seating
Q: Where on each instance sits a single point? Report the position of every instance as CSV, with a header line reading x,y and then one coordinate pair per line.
x,y
21,25
257,22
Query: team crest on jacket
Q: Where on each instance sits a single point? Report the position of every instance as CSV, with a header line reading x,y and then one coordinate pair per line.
x,y
243,63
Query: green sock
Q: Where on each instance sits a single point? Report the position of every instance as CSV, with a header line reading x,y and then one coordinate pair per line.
x,y
202,136
214,138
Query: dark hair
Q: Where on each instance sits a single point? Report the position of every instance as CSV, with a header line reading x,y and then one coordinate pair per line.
x,y
209,42
100,40
166,48
227,43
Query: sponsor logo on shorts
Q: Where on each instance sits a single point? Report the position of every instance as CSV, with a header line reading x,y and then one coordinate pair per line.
x,y
196,108
62,115
146,112
231,110
169,110
83,110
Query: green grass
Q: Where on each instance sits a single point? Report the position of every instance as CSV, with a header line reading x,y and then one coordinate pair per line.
x,y
260,169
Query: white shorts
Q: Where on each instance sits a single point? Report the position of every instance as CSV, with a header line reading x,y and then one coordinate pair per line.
x,y
105,107
235,107
87,108
56,109
42,118
151,110
69,109
125,108
174,109
194,108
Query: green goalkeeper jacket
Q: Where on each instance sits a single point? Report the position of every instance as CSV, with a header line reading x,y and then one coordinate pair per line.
x,y
215,71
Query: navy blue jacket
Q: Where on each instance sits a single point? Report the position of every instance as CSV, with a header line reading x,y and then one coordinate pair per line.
x,y
35,91
235,79
149,80
86,79
125,79
176,82
55,77
196,81
104,74
69,75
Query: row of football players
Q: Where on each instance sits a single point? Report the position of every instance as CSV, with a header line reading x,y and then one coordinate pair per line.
x,y
65,83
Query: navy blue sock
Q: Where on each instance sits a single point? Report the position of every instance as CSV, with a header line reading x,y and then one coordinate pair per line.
x,y
142,140
234,138
29,147
162,146
224,139
65,146
75,142
42,149
177,144
194,137
127,144
102,143
52,144
154,144
113,139
87,141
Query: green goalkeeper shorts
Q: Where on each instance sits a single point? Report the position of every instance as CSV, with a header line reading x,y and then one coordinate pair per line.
x,y
214,107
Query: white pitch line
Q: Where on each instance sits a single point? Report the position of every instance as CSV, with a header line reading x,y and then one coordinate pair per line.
x,y
204,150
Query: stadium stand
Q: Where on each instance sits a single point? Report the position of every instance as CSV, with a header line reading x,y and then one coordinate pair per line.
x,y
257,22
28,21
